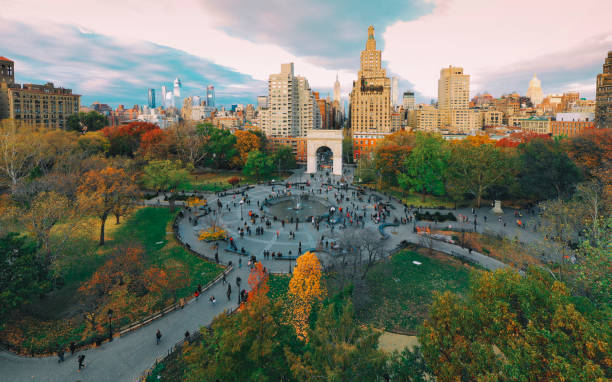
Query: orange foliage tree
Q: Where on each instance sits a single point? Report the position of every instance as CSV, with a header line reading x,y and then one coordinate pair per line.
x,y
125,139
305,289
245,143
390,154
592,152
516,139
104,191
124,263
156,144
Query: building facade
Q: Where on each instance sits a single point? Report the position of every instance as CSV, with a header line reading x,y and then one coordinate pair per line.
x,y
408,100
603,100
534,92
151,99
370,98
454,98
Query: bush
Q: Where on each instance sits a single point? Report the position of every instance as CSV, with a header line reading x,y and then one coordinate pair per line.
x,y
234,180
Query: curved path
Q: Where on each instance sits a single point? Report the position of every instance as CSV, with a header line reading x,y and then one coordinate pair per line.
x,y
125,358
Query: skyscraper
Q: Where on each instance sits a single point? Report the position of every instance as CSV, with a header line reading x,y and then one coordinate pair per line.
x,y
177,87
535,91
603,98
370,99
291,110
337,90
262,102
394,91
408,100
453,97
210,96
164,91
151,102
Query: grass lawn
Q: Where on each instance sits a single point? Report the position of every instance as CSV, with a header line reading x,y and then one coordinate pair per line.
x,y
400,292
59,318
208,182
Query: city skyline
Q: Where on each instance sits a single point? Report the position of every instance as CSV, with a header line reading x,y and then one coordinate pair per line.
x,y
148,45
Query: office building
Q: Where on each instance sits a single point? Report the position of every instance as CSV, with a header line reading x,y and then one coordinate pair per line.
x,y
151,101
337,95
210,96
453,98
164,92
394,91
370,99
262,102
408,100
603,99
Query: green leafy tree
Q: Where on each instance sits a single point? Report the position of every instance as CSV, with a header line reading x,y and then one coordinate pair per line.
x,y
408,366
546,171
475,168
425,167
219,145
258,165
347,149
283,158
91,121
340,349
514,328
165,176
23,273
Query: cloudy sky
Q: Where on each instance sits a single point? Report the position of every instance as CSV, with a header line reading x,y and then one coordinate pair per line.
x,y
112,51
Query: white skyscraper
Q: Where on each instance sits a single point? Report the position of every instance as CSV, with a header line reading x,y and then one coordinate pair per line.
x,y
292,110
164,90
177,87
337,90
394,91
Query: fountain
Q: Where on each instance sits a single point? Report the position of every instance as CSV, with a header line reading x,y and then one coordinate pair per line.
x,y
298,202
297,207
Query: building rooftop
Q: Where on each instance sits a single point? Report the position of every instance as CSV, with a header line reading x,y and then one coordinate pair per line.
x,y
2,58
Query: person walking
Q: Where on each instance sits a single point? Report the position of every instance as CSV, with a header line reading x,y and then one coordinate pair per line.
x,y
229,291
81,360
158,336
187,336
60,356
72,348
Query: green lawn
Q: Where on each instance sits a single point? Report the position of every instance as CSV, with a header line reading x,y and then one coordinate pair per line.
x,y
56,319
400,292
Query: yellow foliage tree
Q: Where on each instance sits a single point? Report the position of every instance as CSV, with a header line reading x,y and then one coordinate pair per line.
x,y
245,143
304,289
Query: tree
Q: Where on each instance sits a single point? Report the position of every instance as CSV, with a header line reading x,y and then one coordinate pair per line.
x,y
125,140
82,122
283,158
347,149
408,366
220,146
165,176
101,192
519,327
479,166
46,210
592,152
19,150
190,144
594,266
155,143
122,266
93,143
426,165
304,290
545,170
340,349
245,143
258,165
22,273
246,346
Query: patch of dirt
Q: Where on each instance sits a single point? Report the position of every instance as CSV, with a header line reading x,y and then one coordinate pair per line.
x,y
393,341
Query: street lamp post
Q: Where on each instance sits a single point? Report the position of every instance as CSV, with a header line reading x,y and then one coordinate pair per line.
x,y
241,203
110,325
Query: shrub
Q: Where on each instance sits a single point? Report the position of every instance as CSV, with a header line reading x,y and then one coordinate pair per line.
x,y
234,180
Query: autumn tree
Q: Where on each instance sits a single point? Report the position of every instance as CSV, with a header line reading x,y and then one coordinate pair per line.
x,y
246,346
19,150
125,139
45,212
479,165
592,152
122,266
340,349
245,143
93,143
190,144
156,143
304,290
101,192
522,327
425,167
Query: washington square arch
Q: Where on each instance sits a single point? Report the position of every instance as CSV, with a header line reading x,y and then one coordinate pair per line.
x,y
320,142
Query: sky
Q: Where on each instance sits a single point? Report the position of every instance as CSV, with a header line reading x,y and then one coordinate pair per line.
x,y
113,51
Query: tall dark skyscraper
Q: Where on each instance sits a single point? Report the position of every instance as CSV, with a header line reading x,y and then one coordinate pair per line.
x,y
152,98
210,96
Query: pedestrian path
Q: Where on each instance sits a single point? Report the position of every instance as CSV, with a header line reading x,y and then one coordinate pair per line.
x,y
125,358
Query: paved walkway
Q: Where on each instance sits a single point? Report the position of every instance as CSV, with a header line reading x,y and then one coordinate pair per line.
x,y
125,358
